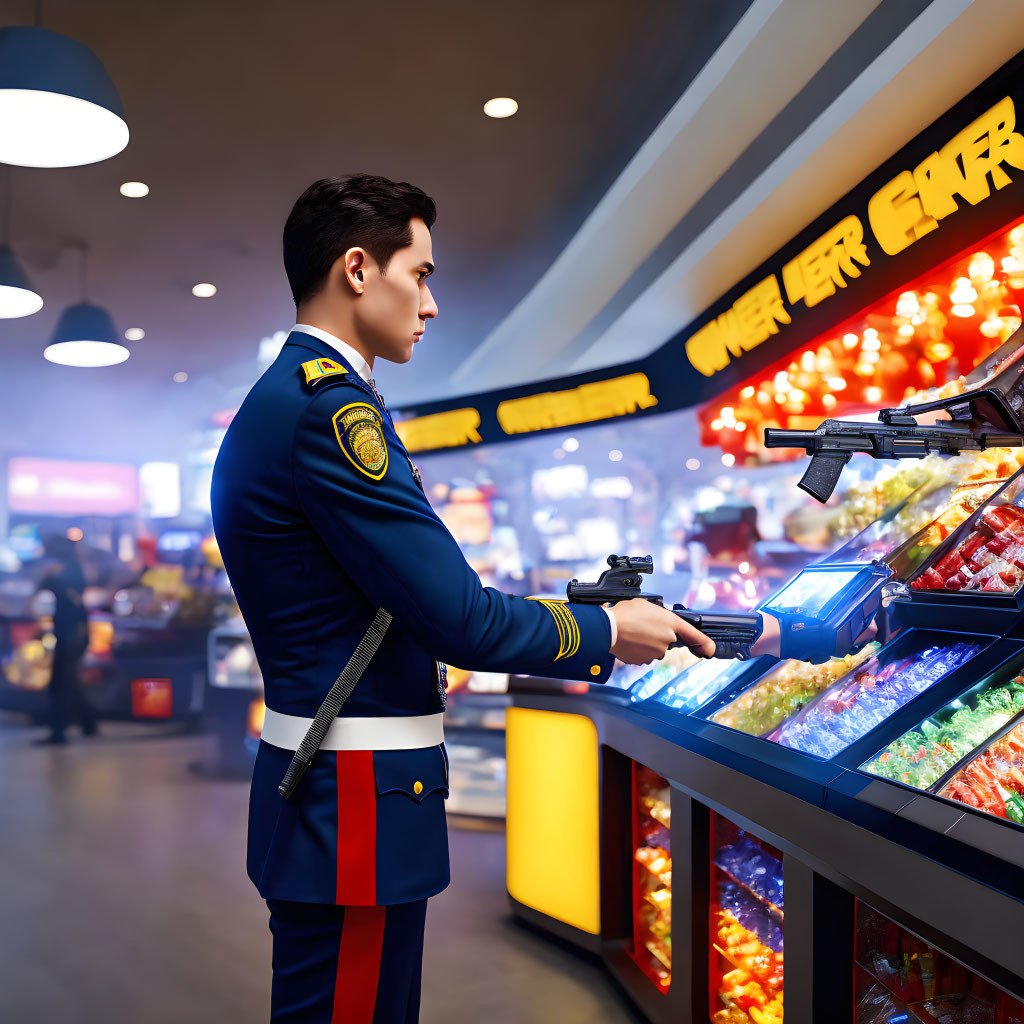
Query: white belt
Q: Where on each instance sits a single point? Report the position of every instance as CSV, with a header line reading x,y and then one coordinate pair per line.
x,y
400,732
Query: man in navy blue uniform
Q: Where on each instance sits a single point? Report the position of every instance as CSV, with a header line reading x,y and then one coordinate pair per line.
x,y
322,520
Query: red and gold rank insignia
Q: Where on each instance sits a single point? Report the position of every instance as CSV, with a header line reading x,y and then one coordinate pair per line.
x,y
358,430
316,370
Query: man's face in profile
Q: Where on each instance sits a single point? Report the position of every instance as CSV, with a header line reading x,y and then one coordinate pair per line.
x,y
395,306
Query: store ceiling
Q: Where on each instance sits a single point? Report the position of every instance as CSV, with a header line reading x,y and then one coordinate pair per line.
x,y
235,107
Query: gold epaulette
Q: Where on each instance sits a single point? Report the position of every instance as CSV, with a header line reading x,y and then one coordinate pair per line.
x,y
316,371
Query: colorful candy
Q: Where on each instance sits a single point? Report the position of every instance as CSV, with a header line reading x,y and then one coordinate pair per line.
x,y
923,755
855,705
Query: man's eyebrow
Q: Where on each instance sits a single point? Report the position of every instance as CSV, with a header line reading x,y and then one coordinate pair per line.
x,y
428,265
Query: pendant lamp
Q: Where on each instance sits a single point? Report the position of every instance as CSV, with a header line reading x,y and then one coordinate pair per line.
x,y
58,106
85,335
17,296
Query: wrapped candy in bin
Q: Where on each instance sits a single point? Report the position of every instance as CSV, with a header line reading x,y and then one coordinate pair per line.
x,y
990,559
868,696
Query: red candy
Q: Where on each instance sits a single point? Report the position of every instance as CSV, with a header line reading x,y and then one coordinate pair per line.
x,y
991,559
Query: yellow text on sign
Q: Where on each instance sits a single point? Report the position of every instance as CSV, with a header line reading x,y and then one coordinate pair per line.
x,y
826,263
450,429
752,319
914,202
553,800
601,400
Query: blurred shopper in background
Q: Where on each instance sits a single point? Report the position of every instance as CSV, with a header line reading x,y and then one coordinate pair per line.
x,y
71,629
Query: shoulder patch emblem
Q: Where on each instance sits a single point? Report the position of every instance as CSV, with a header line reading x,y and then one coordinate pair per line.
x,y
317,370
358,430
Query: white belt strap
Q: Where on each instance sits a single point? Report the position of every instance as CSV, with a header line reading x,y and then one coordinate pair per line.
x,y
399,732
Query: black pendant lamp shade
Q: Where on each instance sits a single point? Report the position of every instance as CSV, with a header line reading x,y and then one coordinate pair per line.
x,y
17,296
86,336
58,106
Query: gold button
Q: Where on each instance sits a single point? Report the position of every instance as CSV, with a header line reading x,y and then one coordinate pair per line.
x,y
417,787
595,670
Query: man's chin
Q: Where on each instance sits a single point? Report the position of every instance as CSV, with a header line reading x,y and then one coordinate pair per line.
x,y
398,356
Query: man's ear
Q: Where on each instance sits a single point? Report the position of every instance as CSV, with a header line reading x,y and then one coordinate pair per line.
x,y
352,267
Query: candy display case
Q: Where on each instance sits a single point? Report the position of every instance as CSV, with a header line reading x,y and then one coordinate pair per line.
x,y
652,876
782,692
746,928
899,977
975,574
699,683
870,694
992,779
922,756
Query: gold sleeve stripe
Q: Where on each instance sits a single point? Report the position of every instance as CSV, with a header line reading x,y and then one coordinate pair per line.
x,y
575,630
568,628
562,631
559,622
571,642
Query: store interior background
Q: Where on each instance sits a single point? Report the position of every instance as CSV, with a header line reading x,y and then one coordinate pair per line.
x,y
661,152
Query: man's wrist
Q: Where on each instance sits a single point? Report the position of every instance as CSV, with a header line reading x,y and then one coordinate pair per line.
x,y
614,625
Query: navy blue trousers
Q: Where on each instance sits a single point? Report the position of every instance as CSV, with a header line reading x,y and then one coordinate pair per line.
x,y
346,965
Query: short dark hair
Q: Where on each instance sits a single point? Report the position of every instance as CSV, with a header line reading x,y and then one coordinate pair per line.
x,y
334,214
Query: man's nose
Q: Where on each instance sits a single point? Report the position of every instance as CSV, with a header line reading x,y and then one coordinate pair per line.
x,y
428,310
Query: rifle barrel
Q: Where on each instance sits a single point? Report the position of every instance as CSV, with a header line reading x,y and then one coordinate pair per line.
x,y
776,437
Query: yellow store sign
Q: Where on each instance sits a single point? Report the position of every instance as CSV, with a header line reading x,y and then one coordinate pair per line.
x,y
905,209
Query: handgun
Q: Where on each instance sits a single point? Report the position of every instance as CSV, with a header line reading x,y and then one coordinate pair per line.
x,y
733,632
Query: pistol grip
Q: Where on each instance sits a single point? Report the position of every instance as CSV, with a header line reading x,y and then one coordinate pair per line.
x,y
822,475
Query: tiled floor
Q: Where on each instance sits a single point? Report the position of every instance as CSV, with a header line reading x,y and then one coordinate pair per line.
x,y
124,901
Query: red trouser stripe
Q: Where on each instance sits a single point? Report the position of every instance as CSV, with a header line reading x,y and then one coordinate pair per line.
x,y
357,829
355,988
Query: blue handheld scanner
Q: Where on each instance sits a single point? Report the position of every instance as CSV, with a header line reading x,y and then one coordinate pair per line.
x,y
824,609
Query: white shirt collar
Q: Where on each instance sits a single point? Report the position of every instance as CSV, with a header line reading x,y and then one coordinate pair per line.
x,y
355,360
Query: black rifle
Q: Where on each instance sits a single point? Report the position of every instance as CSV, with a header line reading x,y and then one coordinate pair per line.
x,y
733,632
988,414
897,436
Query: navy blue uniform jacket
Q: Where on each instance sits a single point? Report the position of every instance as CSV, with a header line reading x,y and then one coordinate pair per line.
x,y
320,521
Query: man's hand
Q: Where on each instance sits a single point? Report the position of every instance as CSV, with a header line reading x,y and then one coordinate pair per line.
x,y
645,631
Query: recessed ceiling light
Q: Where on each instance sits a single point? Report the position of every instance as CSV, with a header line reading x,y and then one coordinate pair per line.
x,y
135,189
204,291
501,106
180,377
134,334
